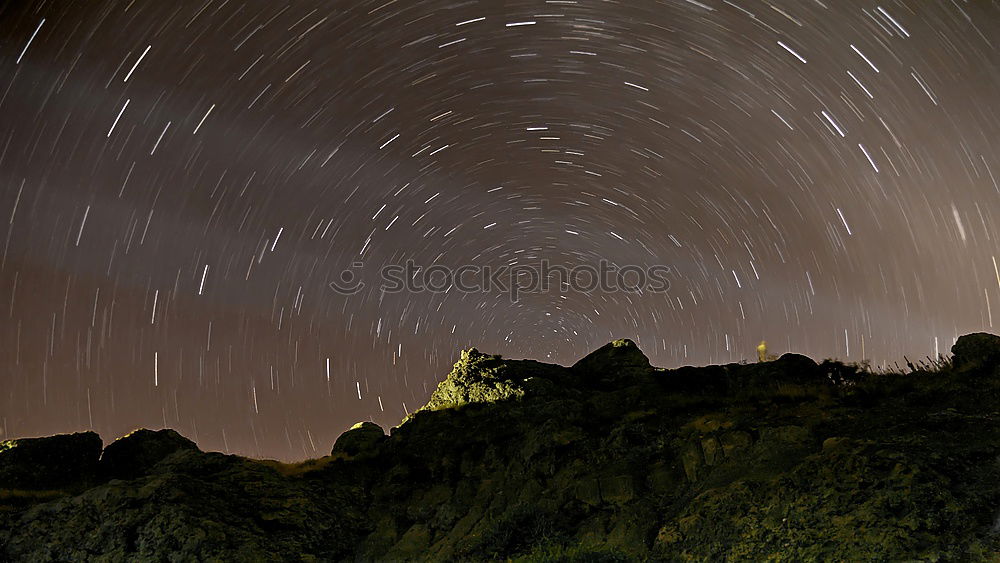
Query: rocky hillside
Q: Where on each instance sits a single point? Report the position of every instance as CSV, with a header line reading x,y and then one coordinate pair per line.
x,y
607,460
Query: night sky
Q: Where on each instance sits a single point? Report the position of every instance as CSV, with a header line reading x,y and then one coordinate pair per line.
x,y
180,182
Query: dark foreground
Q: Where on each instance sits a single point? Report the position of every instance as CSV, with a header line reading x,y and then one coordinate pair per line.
x,y
608,460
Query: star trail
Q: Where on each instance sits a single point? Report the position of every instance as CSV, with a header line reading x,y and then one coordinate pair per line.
x,y
182,181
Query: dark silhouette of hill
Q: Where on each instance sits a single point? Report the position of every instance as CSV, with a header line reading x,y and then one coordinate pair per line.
x,y
610,459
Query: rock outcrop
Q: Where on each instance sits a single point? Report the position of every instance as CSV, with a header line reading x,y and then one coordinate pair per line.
x,y
615,362
978,351
363,437
607,460
135,454
65,460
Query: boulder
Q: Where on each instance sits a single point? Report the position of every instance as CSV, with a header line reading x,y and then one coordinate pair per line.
x,y
977,351
135,454
797,363
361,438
54,462
790,368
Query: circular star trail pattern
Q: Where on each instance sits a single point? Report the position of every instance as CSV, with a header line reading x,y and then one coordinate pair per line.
x,y
180,182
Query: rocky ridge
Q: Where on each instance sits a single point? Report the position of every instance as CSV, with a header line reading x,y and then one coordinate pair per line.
x,y
610,459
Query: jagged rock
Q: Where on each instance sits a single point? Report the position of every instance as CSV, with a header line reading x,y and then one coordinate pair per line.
x,y
135,454
480,378
979,350
617,360
362,437
55,462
